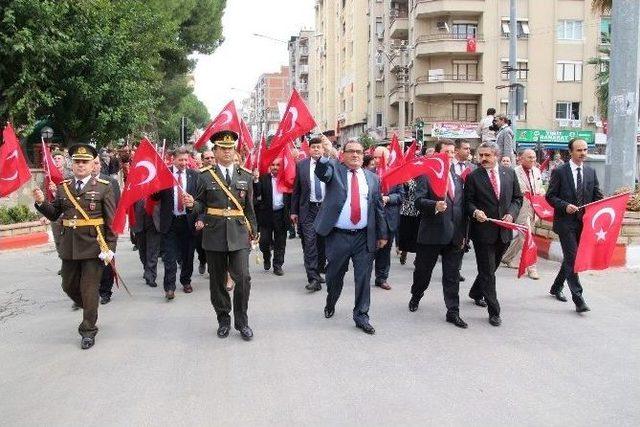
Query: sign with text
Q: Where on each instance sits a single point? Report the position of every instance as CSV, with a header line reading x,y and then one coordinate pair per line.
x,y
455,130
533,136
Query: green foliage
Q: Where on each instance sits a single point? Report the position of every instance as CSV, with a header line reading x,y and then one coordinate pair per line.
x,y
366,140
601,63
16,214
103,69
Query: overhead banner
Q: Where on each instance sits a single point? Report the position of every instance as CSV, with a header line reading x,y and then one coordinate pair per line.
x,y
455,130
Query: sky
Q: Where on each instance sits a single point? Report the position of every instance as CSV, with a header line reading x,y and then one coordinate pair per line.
x,y
233,69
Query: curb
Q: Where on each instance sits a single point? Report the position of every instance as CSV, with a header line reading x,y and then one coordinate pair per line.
x,y
24,241
627,256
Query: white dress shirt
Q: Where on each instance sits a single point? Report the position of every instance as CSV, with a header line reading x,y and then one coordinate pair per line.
x,y
84,181
456,167
344,220
312,178
277,197
177,192
574,172
224,170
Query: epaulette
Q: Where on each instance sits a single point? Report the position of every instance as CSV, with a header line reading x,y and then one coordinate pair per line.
x,y
104,181
246,170
66,181
204,169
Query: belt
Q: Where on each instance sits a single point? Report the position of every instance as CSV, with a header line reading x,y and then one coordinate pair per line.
x,y
82,222
347,231
318,204
224,212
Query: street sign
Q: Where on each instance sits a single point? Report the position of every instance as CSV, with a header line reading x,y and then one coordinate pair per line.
x,y
534,136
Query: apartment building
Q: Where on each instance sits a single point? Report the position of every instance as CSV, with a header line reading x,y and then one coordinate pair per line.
x,y
456,51
271,90
299,48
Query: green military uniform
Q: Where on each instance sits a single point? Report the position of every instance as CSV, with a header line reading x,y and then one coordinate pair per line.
x,y
78,247
226,237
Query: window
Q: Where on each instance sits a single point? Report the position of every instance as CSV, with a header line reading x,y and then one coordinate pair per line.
x,y
379,120
379,28
568,110
522,65
605,30
465,111
523,28
465,70
379,88
504,109
569,71
569,30
464,30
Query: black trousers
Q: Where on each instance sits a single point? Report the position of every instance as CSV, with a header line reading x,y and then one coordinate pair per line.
x,y
488,257
382,262
153,241
341,247
274,235
106,282
80,281
178,244
237,264
426,259
569,240
313,245
202,255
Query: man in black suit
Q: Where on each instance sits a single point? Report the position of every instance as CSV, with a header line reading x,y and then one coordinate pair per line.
x,y
442,232
352,220
491,191
208,159
272,212
572,185
306,199
177,225
462,167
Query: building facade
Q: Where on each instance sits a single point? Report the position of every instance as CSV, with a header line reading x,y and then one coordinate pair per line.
x,y
299,48
271,91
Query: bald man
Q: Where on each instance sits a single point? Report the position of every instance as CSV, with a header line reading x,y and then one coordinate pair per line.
x,y
530,180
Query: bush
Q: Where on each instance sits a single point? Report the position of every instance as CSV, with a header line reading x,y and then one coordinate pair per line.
x,y
16,214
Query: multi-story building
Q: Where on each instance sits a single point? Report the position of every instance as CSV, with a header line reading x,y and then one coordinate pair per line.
x,y
456,51
299,48
271,91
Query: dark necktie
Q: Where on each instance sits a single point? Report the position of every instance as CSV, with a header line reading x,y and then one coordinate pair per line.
x,y
227,177
78,186
317,189
355,198
180,203
528,172
579,189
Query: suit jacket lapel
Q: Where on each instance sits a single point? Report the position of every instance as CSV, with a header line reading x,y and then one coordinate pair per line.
x,y
569,172
503,179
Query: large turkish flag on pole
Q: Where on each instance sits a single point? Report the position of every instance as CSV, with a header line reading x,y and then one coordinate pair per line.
x,y
436,168
226,120
287,174
148,174
395,153
14,171
601,225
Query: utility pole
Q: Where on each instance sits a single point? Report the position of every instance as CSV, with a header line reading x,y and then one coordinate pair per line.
x,y
624,77
513,63
402,75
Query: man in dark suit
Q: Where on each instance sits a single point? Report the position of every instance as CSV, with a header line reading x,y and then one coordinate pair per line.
x,y
306,199
352,221
491,191
177,225
442,232
272,213
463,167
572,185
208,159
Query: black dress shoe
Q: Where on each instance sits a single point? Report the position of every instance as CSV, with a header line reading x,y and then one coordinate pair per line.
x,y
457,321
202,268
366,328
152,284
559,296
267,265
278,271
223,331
321,279
314,286
246,333
87,342
329,312
75,307
581,306
480,302
105,299
495,320
461,278
403,259
413,304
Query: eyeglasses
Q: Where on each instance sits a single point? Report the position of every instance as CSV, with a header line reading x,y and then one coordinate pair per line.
x,y
358,152
207,158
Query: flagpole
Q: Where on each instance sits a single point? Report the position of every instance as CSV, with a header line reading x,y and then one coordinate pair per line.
x,y
606,198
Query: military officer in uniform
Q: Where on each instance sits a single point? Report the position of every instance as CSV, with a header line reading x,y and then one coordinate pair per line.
x,y
86,205
225,197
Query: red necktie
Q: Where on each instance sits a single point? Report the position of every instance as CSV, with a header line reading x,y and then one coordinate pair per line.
x,y
494,183
180,204
355,198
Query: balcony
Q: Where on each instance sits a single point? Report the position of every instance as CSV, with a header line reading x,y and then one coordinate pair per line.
x,y
302,87
394,95
429,8
304,51
399,24
441,84
446,43
303,70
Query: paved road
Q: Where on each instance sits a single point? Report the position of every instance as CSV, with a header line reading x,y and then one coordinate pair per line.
x,y
159,363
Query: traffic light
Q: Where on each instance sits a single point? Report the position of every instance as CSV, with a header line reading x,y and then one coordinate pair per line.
x,y
419,136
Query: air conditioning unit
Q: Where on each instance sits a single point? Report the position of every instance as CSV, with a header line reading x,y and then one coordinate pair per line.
x,y
591,120
442,25
575,123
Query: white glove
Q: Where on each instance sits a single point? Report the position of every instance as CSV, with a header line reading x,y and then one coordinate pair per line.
x,y
106,257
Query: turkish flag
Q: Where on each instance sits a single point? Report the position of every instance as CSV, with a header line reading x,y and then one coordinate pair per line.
x,y
14,171
435,167
529,255
304,146
245,137
226,120
297,121
51,172
396,157
601,224
471,44
148,175
541,207
465,173
545,163
411,152
287,173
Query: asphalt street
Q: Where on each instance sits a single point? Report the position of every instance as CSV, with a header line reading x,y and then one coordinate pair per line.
x,y
159,363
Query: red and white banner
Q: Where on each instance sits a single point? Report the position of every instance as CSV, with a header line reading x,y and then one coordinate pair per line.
x,y
529,255
540,206
435,167
14,171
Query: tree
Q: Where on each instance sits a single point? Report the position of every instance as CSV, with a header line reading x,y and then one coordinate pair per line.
x,y
601,6
601,63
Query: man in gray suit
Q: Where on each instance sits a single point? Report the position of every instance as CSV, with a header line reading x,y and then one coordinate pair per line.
x,y
352,221
505,139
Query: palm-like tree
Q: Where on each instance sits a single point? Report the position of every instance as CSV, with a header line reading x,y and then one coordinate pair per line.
x,y
601,63
601,6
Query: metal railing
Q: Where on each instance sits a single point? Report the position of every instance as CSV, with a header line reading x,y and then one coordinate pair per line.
x,y
449,78
448,36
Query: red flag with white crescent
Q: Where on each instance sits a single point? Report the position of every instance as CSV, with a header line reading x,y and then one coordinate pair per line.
x,y
540,206
435,167
51,172
226,120
14,171
148,175
245,137
396,158
601,225
529,254
411,152
287,174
